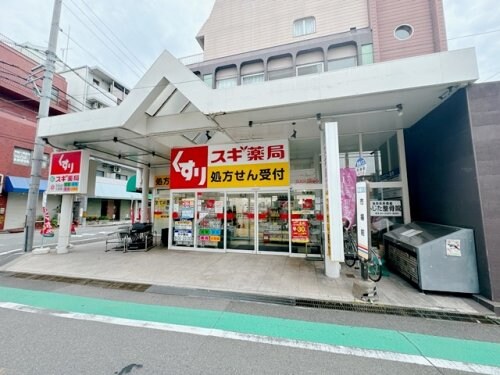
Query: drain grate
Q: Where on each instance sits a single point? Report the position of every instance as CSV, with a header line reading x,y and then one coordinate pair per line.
x,y
276,300
400,311
88,282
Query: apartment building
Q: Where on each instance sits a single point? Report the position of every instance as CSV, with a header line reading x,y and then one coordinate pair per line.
x,y
245,43
20,86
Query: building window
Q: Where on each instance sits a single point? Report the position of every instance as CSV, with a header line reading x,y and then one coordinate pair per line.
x,y
54,94
208,79
22,156
304,26
341,57
346,62
226,76
226,82
96,82
309,69
367,54
280,67
45,161
99,173
403,32
252,78
279,74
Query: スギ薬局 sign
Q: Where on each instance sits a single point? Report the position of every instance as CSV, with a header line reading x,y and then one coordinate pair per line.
x,y
68,173
263,164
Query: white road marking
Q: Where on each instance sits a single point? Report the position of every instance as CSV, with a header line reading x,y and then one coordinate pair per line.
x,y
336,349
12,251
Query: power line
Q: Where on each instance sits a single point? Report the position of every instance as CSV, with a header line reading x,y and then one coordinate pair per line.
x,y
138,74
112,33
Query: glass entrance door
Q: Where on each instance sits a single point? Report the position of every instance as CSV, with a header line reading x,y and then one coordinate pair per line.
x,y
274,234
240,221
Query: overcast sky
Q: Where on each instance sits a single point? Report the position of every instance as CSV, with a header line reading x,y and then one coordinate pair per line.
x,y
141,30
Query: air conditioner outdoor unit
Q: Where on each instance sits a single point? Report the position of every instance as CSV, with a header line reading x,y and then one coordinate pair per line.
x,y
116,169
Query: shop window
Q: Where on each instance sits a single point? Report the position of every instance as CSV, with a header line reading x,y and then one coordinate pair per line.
x,y
379,153
210,223
183,214
304,26
22,156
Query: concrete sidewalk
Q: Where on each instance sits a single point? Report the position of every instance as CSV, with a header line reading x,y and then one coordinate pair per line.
x,y
269,275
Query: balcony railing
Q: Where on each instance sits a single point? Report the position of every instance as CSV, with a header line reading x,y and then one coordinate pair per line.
x,y
193,59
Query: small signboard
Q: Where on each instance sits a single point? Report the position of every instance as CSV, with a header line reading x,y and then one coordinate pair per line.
x,y
68,172
385,208
453,248
360,167
363,216
162,182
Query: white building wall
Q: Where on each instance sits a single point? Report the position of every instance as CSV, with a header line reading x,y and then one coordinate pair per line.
x,y
238,26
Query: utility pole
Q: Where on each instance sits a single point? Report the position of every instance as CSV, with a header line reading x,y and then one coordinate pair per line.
x,y
43,111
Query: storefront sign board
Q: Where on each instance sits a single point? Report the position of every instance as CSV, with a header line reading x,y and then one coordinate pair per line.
x,y
255,164
385,208
68,172
162,182
363,218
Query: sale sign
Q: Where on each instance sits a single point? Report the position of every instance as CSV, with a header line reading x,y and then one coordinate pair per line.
x,y
300,230
231,166
68,172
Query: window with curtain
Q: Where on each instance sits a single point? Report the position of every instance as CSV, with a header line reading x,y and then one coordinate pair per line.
x,y
252,78
304,26
226,82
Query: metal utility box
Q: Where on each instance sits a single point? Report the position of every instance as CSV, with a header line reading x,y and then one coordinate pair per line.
x,y
435,257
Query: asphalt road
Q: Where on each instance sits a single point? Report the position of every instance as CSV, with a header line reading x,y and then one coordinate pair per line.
x,y
44,343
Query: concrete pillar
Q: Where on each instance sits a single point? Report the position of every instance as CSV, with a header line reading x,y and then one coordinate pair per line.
x,y
65,224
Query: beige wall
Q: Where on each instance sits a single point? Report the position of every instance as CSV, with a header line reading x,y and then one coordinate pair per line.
x,y
238,26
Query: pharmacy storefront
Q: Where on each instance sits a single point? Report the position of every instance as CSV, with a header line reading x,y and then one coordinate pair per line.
x,y
239,197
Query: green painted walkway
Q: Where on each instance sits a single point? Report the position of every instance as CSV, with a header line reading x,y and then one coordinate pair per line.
x,y
469,351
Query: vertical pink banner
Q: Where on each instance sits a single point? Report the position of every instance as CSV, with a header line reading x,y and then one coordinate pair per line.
x,y
348,194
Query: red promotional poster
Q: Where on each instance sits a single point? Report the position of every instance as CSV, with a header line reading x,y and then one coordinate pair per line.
x,y
189,168
66,162
300,230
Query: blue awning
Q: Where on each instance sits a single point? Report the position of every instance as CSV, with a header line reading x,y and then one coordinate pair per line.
x,y
14,184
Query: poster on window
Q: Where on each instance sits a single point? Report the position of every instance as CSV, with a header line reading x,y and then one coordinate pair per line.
x,y
300,230
385,208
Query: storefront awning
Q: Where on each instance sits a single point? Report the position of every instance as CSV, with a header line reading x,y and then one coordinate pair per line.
x,y
131,183
14,184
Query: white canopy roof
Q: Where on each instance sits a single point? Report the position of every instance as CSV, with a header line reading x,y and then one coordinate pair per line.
x,y
170,107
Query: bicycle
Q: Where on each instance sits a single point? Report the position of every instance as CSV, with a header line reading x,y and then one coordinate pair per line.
x,y
374,263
